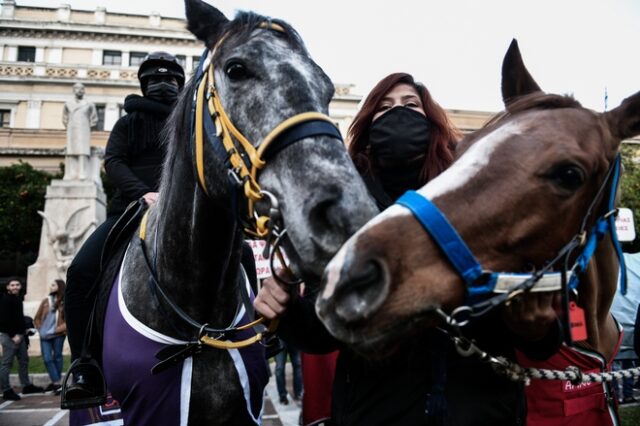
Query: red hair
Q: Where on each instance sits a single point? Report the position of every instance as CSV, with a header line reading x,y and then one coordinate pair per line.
x,y
444,135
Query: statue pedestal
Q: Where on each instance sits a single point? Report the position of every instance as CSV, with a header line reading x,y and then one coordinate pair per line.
x,y
73,209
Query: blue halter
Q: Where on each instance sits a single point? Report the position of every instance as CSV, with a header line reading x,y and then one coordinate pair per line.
x,y
483,283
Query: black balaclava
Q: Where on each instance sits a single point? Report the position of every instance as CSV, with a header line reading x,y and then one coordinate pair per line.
x,y
398,141
163,91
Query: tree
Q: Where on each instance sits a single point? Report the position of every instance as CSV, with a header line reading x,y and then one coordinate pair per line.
x,y
630,189
22,191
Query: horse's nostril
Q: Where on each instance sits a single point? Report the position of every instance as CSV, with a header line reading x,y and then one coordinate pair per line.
x,y
362,292
321,214
328,223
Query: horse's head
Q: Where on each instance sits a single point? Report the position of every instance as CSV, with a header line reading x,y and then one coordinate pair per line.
x,y
263,76
516,194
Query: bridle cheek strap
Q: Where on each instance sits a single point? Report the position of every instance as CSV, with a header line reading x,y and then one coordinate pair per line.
x,y
243,159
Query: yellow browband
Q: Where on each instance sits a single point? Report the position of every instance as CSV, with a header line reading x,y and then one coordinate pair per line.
x,y
227,131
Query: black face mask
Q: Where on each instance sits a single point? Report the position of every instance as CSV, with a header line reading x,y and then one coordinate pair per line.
x,y
398,136
399,141
163,91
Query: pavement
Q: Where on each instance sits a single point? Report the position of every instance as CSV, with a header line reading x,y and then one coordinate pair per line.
x,y
44,409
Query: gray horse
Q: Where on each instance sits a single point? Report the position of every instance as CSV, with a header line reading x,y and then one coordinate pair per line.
x,y
187,272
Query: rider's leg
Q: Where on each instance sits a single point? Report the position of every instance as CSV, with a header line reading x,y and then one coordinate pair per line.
x,y
81,277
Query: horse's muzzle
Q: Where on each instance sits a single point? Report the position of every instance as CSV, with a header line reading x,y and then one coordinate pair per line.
x,y
356,295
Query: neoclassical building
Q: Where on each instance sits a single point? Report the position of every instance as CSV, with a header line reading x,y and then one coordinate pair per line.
x,y
45,50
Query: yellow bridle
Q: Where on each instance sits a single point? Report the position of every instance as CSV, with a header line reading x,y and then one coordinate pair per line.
x,y
227,131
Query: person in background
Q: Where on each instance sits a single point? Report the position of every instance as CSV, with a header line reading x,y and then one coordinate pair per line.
x,y
14,343
281,360
625,309
400,140
49,321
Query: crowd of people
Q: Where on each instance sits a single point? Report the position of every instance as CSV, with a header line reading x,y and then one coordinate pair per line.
x,y
400,139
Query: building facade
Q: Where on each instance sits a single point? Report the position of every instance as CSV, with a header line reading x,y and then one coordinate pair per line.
x,y
44,51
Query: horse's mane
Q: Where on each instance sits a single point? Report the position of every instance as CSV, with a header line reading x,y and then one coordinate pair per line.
x,y
245,23
535,101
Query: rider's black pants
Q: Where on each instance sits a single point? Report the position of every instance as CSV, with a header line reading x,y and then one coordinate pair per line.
x,y
79,295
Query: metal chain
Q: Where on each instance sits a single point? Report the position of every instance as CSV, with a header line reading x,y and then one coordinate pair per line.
x,y
517,373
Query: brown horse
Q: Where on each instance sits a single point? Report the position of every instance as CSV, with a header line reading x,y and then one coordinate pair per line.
x,y
517,194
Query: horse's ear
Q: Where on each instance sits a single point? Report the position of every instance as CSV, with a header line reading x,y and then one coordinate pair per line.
x,y
204,21
516,80
624,121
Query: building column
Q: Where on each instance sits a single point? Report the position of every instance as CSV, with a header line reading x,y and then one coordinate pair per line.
x,y
39,55
33,114
97,57
125,58
188,64
8,8
2,46
12,53
111,115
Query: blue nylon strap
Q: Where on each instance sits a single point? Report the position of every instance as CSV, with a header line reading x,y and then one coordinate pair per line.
x,y
612,225
447,239
603,226
301,131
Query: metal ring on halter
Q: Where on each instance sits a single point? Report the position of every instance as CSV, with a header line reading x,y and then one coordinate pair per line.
x,y
461,310
274,209
276,246
201,333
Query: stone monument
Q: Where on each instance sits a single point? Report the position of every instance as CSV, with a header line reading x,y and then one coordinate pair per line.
x,y
79,117
74,206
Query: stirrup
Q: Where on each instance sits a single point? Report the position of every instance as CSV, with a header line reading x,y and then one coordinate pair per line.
x,y
88,387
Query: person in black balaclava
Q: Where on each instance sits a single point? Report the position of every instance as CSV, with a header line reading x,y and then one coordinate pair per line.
x,y
400,140
133,162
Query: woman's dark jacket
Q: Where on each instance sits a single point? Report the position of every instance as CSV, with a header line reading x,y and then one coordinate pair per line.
x,y
11,315
396,390
134,154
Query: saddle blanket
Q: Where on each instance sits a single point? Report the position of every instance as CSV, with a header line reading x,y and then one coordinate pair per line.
x,y
163,398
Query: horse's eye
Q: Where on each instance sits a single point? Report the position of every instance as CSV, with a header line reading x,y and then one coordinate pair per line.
x,y
569,177
236,71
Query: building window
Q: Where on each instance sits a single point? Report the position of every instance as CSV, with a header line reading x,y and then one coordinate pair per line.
x,y
26,54
100,110
5,117
111,57
182,60
196,62
136,58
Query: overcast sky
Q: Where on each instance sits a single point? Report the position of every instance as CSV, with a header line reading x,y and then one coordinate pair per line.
x,y
455,47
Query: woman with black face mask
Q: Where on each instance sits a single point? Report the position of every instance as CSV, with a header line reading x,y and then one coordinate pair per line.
x,y
400,140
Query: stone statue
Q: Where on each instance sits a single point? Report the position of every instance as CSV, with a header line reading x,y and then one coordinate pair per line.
x,y
78,116
65,241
